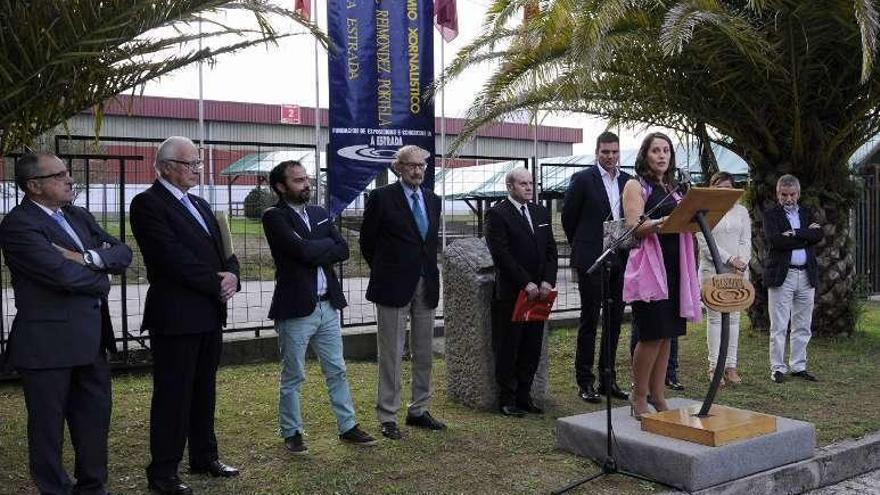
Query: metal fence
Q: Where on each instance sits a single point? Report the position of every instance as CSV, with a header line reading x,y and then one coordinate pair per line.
x,y
111,171
866,228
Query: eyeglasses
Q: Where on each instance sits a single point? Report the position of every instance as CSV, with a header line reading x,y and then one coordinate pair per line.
x,y
415,165
63,175
194,165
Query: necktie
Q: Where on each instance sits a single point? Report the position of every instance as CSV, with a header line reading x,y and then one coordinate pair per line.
x,y
194,212
58,216
419,214
522,210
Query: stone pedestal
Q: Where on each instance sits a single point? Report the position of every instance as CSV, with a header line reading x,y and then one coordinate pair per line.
x,y
468,284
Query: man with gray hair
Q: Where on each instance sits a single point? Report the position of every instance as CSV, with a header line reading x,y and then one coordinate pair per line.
x,y
398,239
191,279
790,274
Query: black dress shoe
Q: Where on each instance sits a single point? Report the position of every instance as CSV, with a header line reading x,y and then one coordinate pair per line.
x,y
806,375
588,394
216,469
530,408
674,384
512,411
425,420
169,486
390,430
616,392
778,377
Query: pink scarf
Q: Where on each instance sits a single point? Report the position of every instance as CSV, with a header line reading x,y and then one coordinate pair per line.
x,y
645,275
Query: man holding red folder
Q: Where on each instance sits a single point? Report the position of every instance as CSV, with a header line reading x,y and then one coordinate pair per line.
x,y
519,235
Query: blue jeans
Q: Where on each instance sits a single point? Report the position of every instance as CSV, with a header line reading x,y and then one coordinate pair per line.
x,y
322,329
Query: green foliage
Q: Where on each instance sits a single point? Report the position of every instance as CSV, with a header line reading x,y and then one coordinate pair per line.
x,y
256,202
59,57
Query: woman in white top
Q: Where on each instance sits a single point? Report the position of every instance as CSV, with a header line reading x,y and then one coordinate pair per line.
x,y
733,235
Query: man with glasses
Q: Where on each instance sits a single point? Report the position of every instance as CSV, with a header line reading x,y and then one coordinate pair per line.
x,y
191,279
59,259
398,239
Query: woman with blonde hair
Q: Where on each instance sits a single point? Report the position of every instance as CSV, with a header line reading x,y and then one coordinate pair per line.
x,y
733,236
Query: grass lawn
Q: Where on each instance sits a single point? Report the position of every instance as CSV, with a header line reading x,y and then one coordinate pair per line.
x,y
481,452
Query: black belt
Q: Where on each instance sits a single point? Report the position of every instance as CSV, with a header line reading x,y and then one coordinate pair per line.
x,y
325,297
797,267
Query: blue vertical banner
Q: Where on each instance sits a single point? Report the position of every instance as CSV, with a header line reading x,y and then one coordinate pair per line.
x,y
380,67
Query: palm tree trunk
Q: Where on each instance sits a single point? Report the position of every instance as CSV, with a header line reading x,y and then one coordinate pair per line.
x,y
836,308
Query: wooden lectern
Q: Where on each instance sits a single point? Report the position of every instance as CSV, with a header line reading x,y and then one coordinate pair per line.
x,y
700,210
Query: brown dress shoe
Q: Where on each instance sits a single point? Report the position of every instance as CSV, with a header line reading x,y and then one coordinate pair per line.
x,y
731,376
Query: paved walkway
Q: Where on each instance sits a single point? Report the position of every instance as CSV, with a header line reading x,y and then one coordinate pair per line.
x,y
866,484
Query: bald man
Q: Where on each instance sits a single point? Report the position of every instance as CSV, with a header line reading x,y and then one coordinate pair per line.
x,y
191,280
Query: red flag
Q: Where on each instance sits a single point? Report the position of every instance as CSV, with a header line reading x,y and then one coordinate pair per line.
x,y
446,19
303,8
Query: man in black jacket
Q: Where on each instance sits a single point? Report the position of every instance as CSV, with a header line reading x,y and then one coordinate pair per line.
x,y
306,301
59,259
191,279
398,239
790,274
519,235
593,196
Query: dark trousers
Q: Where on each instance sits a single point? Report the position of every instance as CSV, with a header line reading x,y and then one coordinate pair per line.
x,y
81,396
517,349
184,381
590,289
672,364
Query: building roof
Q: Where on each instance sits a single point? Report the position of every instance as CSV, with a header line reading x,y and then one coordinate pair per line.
x,y
261,113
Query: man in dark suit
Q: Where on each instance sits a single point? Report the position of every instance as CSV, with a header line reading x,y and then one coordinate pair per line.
x,y
59,259
398,239
593,196
306,301
790,274
191,279
519,235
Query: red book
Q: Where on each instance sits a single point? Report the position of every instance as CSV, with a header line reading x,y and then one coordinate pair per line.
x,y
534,310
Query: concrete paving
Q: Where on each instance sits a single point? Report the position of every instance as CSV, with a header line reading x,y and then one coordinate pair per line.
x,y
866,484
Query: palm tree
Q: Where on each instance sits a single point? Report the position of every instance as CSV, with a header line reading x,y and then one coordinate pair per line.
x,y
791,86
59,57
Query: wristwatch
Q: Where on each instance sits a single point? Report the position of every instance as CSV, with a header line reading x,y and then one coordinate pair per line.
x,y
89,260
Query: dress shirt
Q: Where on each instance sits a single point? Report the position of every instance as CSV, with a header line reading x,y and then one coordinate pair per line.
x,y
408,191
516,204
798,256
612,190
321,283
96,258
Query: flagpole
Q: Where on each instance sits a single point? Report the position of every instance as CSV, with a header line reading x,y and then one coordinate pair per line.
x,y
443,139
317,112
202,127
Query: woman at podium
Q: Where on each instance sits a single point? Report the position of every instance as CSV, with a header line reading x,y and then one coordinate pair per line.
x,y
660,278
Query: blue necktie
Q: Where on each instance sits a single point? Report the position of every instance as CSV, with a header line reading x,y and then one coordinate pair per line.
x,y
58,216
192,209
419,214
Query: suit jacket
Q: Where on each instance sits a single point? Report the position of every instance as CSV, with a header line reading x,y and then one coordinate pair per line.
x,y
298,252
779,247
391,244
519,255
584,210
182,262
61,319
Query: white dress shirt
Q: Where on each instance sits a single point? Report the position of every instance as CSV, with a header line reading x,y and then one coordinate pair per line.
x,y
612,190
516,204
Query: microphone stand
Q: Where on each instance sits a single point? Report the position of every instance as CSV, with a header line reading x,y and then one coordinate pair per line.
x,y
609,464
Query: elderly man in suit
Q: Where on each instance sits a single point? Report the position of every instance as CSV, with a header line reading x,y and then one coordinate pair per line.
x,y
59,259
306,302
191,279
398,239
790,274
593,196
519,235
